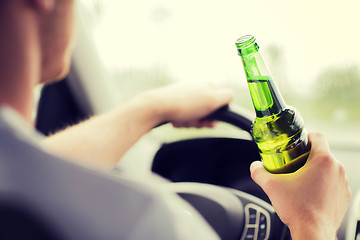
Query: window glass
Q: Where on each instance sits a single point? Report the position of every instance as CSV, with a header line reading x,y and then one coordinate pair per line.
x,y
312,49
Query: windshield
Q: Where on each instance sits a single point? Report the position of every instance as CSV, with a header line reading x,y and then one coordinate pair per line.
x,y
311,48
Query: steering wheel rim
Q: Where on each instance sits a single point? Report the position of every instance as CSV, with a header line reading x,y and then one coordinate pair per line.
x,y
233,115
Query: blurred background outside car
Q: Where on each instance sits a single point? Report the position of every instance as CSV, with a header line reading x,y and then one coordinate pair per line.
x,y
311,47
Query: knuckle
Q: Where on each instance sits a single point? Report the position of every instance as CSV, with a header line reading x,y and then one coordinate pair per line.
x,y
325,159
342,170
211,85
349,194
316,135
347,186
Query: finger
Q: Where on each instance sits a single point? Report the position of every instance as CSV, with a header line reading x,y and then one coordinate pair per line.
x,y
211,84
208,123
259,173
318,141
319,145
188,124
181,124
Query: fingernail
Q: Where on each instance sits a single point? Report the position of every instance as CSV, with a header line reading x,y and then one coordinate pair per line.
x,y
254,165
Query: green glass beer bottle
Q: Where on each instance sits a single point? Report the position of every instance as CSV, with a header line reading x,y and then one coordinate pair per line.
x,y
278,129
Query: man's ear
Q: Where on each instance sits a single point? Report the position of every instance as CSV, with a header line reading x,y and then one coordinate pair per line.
x,y
44,6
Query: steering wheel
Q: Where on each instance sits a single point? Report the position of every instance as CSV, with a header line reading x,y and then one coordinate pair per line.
x,y
212,174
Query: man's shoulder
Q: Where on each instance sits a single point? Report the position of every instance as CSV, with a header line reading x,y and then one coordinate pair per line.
x,y
71,196
81,203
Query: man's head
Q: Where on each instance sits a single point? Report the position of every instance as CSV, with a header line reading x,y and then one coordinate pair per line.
x,y
46,27
35,47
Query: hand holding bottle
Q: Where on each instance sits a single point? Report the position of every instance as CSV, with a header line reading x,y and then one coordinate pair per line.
x,y
313,200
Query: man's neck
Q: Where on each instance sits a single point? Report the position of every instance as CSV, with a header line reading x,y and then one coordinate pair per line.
x,y
19,61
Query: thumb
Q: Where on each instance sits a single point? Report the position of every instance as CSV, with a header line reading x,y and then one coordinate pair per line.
x,y
259,173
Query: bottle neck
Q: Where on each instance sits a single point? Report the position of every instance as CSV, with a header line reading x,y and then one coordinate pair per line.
x,y
265,95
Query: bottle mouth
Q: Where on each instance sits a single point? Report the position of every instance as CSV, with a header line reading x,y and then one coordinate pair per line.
x,y
245,41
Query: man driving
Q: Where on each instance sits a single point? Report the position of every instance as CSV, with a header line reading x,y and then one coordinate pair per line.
x,y
58,177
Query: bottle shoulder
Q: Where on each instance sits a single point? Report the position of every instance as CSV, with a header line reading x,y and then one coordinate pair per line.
x,y
288,121
288,113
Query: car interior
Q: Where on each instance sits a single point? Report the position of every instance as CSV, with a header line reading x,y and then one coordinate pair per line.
x,y
210,171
